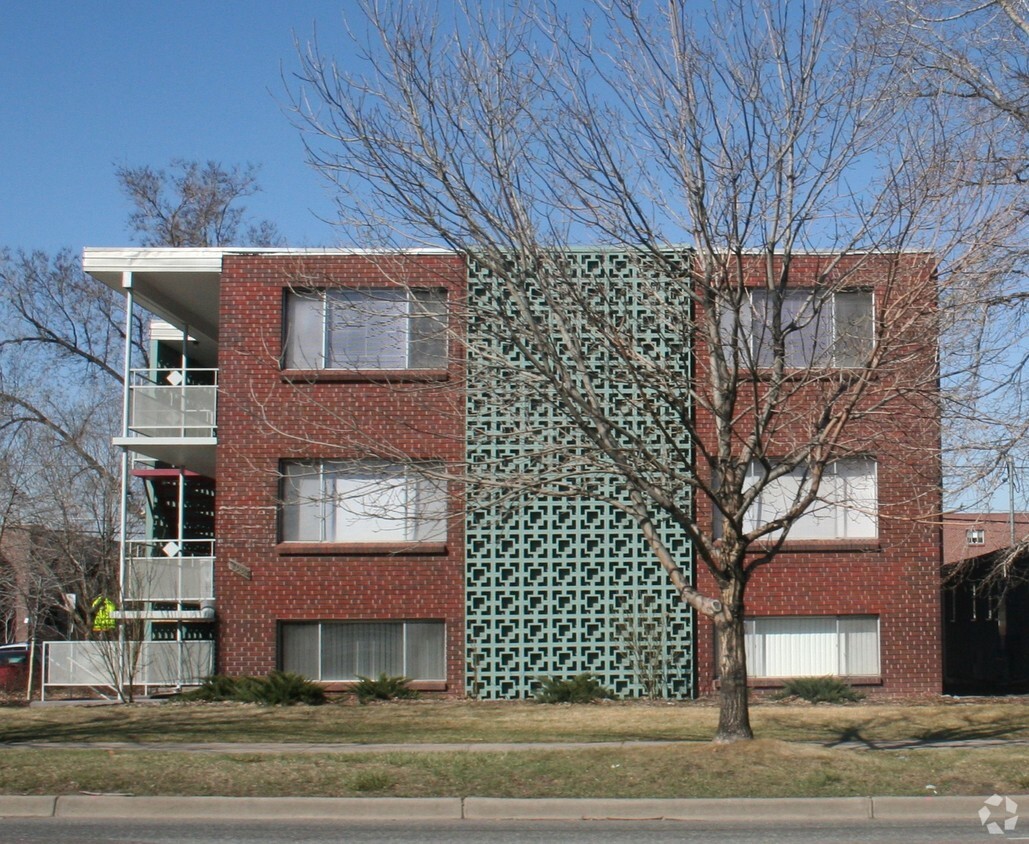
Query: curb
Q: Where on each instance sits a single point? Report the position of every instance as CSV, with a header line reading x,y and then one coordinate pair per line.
x,y
488,808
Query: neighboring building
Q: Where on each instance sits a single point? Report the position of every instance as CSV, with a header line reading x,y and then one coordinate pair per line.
x,y
970,535
986,602
305,398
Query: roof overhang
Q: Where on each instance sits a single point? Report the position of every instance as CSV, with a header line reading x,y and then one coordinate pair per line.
x,y
180,286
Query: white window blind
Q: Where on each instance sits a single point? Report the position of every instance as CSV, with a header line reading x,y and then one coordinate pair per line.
x,y
346,651
813,646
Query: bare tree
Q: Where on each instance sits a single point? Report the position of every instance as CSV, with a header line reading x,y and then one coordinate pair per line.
x,y
757,133
62,341
976,57
194,204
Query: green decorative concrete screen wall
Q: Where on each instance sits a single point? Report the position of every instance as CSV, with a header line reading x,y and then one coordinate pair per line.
x,y
559,580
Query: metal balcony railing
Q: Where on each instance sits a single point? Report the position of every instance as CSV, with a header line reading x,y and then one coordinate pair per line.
x,y
169,570
116,664
170,403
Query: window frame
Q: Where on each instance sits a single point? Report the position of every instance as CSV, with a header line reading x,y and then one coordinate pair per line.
x,y
758,343
846,661
975,536
425,502
425,307
411,638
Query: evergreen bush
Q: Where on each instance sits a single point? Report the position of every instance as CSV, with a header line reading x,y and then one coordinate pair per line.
x,y
583,688
819,690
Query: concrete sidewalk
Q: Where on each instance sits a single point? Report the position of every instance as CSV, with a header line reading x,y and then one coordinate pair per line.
x,y
487,808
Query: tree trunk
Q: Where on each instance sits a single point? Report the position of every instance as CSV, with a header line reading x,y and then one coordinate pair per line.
x,y
734,716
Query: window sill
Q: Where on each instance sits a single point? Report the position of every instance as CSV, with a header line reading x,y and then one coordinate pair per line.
x,y
821,546
363,376
416,685
360,549
780,682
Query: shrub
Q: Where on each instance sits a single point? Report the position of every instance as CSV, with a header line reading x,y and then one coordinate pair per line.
x,y
383,687
583,688
279,688
214,688
818,690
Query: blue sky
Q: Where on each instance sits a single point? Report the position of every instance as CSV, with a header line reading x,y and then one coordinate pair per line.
x,y
90,85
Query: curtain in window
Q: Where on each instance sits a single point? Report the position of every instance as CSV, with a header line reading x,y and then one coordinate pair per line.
x,y
428,339
303,503
425,649
362,501
301,645
859,645
367,329
369,505
845,508
854,328
305,331
818,330
350,651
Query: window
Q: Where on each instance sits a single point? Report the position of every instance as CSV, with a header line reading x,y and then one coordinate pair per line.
x,y
834,329
975,536
345,651
363,329
845,509
361,501
813,646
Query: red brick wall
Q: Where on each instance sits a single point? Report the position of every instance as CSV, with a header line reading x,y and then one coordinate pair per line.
x,y
896,575
266,416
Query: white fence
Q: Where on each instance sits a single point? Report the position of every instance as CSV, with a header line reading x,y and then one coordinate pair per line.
x,y
108,664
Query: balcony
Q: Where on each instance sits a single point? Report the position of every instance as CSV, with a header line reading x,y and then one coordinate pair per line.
x,y
173,417
162,571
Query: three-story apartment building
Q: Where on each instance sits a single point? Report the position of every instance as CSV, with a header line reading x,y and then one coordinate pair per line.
x,y
298,427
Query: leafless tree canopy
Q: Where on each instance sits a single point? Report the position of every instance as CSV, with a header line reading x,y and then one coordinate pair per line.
x,y
194,204
757,134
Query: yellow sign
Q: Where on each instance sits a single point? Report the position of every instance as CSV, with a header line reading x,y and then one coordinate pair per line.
x,y
103,615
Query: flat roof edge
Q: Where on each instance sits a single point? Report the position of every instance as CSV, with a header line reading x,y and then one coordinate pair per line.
x,y
101,258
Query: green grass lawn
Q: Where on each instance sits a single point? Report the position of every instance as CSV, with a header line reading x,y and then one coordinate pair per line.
x,y
788,759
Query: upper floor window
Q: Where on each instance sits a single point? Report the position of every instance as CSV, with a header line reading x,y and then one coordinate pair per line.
x,y
361,501
975,536
818,329
845,508
391,328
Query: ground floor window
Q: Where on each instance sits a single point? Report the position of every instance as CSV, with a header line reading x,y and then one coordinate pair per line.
x,y
344,651
813,646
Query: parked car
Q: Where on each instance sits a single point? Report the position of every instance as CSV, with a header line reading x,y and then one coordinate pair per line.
x,y
14,667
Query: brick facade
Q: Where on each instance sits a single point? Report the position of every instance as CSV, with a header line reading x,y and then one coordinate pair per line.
x,y
267,414
894,576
